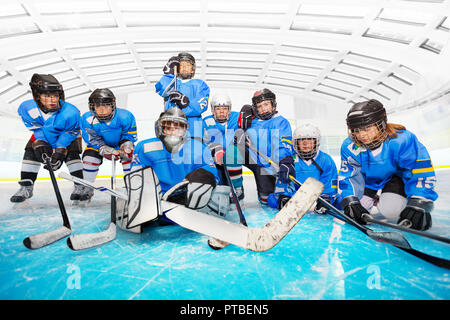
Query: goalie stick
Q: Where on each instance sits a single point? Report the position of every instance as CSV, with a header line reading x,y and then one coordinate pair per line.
x,y
42,239
255,239
90,240
393,238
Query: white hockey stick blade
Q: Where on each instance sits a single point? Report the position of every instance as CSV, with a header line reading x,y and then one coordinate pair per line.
x,y
65,175
90,240
42,239
254,239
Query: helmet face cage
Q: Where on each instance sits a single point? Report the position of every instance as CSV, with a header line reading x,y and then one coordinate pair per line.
x,y
306,132
102,102
177,125
260,96
375,142
362,117
221,101
184,56
45,83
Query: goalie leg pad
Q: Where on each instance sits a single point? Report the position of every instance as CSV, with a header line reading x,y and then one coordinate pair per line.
x,y
198,195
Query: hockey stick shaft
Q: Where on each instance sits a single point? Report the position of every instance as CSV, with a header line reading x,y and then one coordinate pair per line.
x,y
234,196
114,193
43,239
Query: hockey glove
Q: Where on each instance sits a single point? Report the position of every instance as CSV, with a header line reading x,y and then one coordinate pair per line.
x,y
109,152
57,158
42,150
287,168
217,153
179,99
320,208
126,150
245,117
173,62
354,209
199,189
417,215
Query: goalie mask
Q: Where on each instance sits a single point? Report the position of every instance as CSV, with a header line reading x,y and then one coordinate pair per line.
x,y
260,101
171,128
306,141
186,70
366,122
46,84
102,104
221,107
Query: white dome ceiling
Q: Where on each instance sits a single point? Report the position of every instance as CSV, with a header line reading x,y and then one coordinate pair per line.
x,y
340,51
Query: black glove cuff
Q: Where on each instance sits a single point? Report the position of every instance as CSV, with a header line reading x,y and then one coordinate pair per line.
x,y
350,200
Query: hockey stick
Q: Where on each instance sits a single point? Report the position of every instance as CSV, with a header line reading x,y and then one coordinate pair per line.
x,y
213,243
86,183
90,240
394,238
254,239
433,236
42,239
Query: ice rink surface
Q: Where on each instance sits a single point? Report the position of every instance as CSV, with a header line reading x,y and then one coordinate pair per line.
x,y
321,258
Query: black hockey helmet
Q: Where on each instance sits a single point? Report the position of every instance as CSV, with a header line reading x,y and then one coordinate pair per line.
x,y
364,114
45,83
262,95
185,56
102,97
173,143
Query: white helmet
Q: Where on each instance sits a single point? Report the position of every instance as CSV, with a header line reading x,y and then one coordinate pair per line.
x,y
306,131
221,100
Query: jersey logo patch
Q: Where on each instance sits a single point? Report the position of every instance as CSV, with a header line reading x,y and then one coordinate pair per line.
x,y
153,146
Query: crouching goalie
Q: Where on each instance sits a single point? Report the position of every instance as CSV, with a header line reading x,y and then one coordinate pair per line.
x,y
171,167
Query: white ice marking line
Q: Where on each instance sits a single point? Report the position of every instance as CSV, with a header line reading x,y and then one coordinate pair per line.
x,y
147,283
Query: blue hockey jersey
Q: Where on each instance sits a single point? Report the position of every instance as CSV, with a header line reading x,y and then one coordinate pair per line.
x,y
172,168
403,156
198,93
271,137
58,128
222,133
305,169
121,127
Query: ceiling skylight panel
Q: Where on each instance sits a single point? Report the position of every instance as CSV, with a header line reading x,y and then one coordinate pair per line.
x,y
334,88
295,67
394,32
358,68
161,19
408,17
245,20
71,7
291,75
242,46
35,54
188,6
34,65
81,21
108,70
367,60
232,77
437,40
219,71
340,73
445,24
281,86
346,86
346,11
286,81
376,94
111,63
308,51
17,26
116,79
20,96
12,9
302,61
283,71
329,94
258,7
